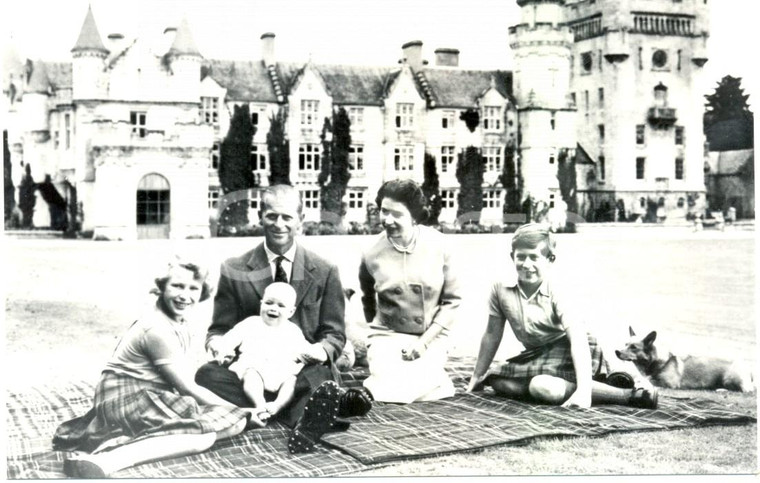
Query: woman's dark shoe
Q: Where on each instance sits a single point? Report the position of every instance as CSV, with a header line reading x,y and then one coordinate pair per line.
x,y
355,402
644,398
622,380
318,417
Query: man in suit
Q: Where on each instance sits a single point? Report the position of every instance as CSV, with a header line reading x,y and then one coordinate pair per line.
x,y
320,306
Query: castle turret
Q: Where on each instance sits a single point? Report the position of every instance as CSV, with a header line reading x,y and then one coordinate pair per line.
x,y
184,60
89,54
542,46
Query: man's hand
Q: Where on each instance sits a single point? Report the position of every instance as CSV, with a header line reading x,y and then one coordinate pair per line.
x,y
314,354
414,351
476,383
579,399
216,351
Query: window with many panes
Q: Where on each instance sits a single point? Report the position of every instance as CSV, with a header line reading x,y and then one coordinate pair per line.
x,y
210,111
448,198
259,157
492,198
310,199
138,122
215,154
254,201
356,116
153,200
258,114
356,157
69,130
492,118
404,115
447,158
640,134
403,158
640,165
213,198
679,168
355,199
308,157
447,119
679,135
492,158
309,112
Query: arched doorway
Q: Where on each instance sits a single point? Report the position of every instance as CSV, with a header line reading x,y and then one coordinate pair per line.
x,y
153,205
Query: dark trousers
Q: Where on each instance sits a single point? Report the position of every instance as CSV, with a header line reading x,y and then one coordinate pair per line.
x,y
227,385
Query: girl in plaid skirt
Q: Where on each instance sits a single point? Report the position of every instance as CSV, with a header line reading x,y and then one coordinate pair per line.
x,y
146,405
562,363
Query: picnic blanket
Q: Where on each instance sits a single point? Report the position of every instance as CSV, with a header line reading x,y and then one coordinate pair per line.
x,y
388,433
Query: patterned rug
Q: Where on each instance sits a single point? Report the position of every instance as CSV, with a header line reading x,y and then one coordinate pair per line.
x,y
388,433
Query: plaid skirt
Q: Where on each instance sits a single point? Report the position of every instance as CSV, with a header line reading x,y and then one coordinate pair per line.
x,y
126,409
553,359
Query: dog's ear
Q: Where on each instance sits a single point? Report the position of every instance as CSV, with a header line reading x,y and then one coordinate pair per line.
x,y
649,339
631,332
349,292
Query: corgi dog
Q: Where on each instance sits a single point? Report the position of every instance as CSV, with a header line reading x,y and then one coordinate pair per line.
x,y
668,370
355,351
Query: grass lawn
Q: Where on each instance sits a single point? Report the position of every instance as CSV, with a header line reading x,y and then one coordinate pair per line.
x,y
67,302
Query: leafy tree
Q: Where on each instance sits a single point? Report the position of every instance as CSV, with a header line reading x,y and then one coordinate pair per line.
x,y
235,170
56,204
728,121
26,197
431,189
470,169
471,118
278,147
334,174
509,180
7,179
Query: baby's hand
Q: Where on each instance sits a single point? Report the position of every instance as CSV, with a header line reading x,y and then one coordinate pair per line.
x,y
271,409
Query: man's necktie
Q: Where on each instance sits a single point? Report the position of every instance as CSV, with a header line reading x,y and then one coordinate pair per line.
x,y
279,272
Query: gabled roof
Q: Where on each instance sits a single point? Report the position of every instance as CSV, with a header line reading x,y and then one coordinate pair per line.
x,y
89,37
244,80
347,84
462,88
183,41
39,82
59,74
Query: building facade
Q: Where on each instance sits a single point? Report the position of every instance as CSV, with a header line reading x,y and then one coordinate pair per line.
x,y
131,131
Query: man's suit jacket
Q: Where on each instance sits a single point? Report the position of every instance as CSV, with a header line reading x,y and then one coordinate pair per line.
x,y
320,302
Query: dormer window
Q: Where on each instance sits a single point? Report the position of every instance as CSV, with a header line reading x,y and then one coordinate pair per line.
x,y
492,118
404,115
447,119
210,111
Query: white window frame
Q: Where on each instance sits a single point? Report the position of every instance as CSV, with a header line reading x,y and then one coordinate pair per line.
x,y
492,158
356,116
309,112
209,111
403,158
448,198
492,198
492,118
356,157
215,155
213,198
447,119
259,157
138,120
404,115
355,199
68,129
310,198
309,155
447,158
254,200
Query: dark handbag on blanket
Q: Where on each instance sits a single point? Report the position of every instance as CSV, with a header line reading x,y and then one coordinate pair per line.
x,y
530,354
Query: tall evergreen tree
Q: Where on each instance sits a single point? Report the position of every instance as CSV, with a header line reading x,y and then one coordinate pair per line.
x,y
470,169
334,175
235,168
509,180
26,197
7,178
566,175
431,189
278,147
728,121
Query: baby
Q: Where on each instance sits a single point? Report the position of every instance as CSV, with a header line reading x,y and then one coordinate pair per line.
x,y
269,346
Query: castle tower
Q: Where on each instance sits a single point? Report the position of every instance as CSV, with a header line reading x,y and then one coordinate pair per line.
x,y
89,54
542,47
185,63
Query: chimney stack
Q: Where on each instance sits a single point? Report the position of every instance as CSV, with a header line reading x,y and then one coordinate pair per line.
x,y
412,54
115,42
447,57
267,48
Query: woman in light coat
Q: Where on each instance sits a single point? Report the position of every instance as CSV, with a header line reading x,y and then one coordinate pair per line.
x,y
410,296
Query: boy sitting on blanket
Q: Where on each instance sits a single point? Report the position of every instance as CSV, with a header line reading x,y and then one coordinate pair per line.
x,y
269,346
562,363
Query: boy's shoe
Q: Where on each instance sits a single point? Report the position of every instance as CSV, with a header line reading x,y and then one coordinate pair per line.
x,y
318,417
80,466
355,402
644,398
622,380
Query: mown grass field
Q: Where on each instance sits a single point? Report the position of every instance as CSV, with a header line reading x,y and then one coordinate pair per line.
x,y
68,301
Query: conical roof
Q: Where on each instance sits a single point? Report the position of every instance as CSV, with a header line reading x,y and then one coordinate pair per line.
x,y
89,37
183,41
39,82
